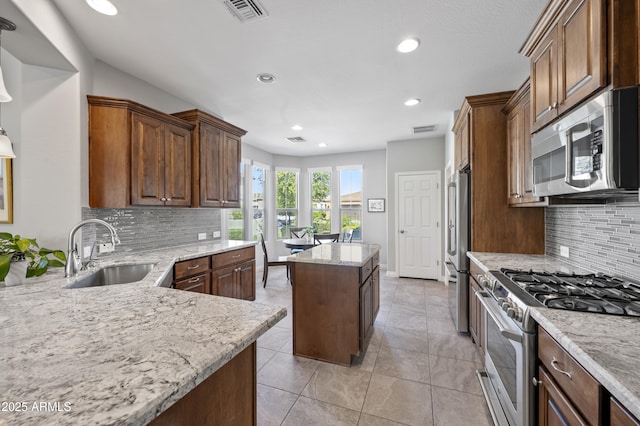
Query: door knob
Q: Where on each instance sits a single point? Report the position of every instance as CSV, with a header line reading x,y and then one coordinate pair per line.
x,y
402,231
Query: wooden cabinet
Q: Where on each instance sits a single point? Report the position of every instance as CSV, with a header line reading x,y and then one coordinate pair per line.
x,y
228,274
216,160
619,416
462,137
227,397
517,230
477,326
567,393
233,274
334,309
576,48
160,162
137,155
520,171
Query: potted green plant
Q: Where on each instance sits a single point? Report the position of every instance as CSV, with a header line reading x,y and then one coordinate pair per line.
x,y
309,231
16,250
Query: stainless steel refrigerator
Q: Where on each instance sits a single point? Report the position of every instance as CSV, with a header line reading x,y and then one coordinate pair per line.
x,y
458,242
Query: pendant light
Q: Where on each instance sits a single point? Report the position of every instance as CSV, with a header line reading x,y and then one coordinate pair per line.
x,y
6,149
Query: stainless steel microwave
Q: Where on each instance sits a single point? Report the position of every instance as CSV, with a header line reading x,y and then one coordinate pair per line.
x,y
592,151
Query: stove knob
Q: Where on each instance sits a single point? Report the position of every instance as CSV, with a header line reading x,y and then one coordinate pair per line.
x,y
502,301
515,313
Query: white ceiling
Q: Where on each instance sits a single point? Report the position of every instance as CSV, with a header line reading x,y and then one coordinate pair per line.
x,y
338,73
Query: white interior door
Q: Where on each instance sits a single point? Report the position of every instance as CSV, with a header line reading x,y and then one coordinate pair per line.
x,y
418,232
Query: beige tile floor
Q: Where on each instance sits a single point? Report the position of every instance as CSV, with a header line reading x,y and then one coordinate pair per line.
x,y
416,370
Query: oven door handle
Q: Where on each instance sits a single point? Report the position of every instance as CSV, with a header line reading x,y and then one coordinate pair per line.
x,y
504,329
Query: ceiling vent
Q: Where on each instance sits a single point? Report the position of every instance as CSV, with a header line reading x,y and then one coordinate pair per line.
x,y
246,10
296,139
424,129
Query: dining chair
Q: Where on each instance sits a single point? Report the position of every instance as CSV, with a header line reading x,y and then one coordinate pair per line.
x,y
326,238
297,232
281,261
347,235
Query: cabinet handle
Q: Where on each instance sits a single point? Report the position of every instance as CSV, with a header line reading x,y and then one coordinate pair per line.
x,y
168,199
193,267
163,199
554,365
236,256
194,280
555,105
535,381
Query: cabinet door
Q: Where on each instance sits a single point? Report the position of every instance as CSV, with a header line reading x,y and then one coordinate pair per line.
x,y
554,408
223,282
366,310
544,92
246,281
582,52
199,284
230,167
619,415
526,166
177,166
375,291
147,160
210,179
514,137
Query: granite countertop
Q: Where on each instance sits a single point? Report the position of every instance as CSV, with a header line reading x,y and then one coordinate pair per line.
x,y
607,346
117,354
345,254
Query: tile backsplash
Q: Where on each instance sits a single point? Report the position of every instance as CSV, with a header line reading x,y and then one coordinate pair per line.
x,y
145,228
601,238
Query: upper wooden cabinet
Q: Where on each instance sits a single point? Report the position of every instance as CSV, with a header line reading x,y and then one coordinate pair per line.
x,y
216,160
517,230
576,48
461,137
137,155
520,172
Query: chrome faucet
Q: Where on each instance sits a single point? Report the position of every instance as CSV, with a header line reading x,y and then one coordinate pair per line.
x,y
74,259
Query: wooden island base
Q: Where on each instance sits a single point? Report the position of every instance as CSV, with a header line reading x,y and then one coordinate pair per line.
x,y
334,307
227,397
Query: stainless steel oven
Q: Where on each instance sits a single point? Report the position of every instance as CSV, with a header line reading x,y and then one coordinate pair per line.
x,y
510,356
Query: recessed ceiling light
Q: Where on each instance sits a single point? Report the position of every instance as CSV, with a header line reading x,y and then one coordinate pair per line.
x,y
322,145
412,102
103,6
296,127
266,78
408,45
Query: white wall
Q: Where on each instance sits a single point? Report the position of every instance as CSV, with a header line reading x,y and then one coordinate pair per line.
x,y
44,122
411,156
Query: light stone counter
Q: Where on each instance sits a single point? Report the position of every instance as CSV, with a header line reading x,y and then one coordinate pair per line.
x,y
117,354
607,346
347,254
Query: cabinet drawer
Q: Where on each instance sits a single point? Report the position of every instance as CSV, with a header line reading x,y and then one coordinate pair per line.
x,y
234,256
200,283
192,267
582,389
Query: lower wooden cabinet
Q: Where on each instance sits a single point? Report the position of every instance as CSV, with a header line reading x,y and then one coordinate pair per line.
x,y
227,398
619,416
554,408
228,274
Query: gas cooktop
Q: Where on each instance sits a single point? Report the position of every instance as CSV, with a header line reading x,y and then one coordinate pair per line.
x,y
588,292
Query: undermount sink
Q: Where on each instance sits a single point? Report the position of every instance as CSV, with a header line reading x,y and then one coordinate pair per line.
x,y
115,274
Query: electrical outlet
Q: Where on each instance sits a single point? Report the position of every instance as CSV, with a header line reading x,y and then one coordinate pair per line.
x,y
564,251
202,236
216,234
105,248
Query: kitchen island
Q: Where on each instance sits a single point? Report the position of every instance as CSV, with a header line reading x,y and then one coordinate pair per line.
x,y
336,297
120,354
606,346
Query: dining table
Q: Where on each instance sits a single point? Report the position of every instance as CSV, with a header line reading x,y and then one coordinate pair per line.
x,y
298,243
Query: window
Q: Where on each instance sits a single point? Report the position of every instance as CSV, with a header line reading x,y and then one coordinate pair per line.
x,y
321,200
286,201
258,181
234,218
351,200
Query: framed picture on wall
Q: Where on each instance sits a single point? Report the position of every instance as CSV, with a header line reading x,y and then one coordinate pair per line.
x,y
6,191
375,205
